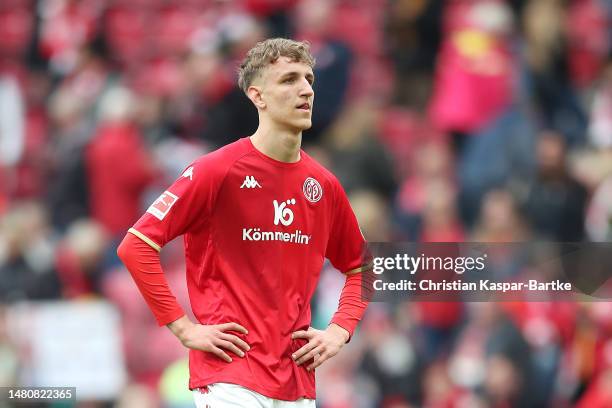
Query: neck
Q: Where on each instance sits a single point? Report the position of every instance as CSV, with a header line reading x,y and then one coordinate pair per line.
x,y
281,145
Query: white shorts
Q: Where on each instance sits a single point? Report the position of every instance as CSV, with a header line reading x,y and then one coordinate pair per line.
x,y
223,395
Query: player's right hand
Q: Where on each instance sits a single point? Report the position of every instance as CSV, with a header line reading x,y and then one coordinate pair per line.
x,y
211,338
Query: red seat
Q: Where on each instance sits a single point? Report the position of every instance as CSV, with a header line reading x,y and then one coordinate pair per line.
x,y
175,26
15,30
358,29
127,32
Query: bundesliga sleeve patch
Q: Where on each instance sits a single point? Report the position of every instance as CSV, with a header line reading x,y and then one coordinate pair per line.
x,y
162,205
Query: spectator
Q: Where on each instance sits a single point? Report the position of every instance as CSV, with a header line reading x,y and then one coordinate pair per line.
x,y
68,191
26,266
79,258
547,66
500,220
413,35
474,73
115,197
555,195
334,63
358,158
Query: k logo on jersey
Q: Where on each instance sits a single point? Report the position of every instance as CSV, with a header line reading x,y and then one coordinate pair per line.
x,y
162,205
282,213
250,182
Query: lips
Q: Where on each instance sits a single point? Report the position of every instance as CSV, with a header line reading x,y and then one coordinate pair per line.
x,y
304,106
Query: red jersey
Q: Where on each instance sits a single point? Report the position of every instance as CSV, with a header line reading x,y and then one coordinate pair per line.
x,y
115,201
256,233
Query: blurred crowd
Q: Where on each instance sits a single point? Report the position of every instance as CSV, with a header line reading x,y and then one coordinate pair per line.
x,y
445,121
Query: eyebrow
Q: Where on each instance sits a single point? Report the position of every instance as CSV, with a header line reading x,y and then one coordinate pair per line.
x,y
309,75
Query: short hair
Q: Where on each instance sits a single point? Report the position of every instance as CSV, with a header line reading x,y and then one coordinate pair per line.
x,y
268,52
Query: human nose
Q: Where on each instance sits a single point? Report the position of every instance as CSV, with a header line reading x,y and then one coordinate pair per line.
x,y
306,89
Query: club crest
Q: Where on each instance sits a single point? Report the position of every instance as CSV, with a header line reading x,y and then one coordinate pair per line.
x,y
312,190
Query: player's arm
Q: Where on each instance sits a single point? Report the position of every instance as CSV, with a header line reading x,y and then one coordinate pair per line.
x,y
324,344
347,252
213,338
142,260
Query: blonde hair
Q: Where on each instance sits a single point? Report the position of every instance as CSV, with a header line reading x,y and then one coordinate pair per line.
x,y
267,52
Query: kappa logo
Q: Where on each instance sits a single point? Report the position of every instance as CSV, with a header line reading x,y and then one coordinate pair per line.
x,y
162,205
250,182
312,190
188,173
282,213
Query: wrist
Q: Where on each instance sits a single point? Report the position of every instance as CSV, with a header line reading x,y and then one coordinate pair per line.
x,y
180,326
339,331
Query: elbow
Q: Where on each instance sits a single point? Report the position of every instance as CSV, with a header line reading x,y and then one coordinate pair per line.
x,y
122,249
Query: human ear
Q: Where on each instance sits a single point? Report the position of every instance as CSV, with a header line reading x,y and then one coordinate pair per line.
x,y
255,95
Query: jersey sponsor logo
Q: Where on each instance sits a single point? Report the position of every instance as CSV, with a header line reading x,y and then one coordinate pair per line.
x,y
312,190
282,213
256,234
250,182
188,173
162,205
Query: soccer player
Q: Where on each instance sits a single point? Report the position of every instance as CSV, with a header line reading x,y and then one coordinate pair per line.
x,y
258,218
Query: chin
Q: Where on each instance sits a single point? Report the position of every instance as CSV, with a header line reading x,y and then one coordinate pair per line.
x,y
305,125
299,125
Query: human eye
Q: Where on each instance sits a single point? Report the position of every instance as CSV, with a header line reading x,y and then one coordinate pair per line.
x,y
288,80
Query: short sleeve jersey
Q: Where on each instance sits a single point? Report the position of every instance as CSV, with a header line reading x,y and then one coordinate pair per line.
x,y
256,233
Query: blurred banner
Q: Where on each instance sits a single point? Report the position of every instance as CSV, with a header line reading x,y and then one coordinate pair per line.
x,y
76,344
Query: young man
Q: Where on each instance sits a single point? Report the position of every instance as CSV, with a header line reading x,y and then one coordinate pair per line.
x,y
258,218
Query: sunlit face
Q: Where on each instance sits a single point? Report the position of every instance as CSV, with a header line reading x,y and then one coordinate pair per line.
x,y
286,95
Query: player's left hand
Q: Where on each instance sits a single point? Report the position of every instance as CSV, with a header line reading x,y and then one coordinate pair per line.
x,y
322,344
